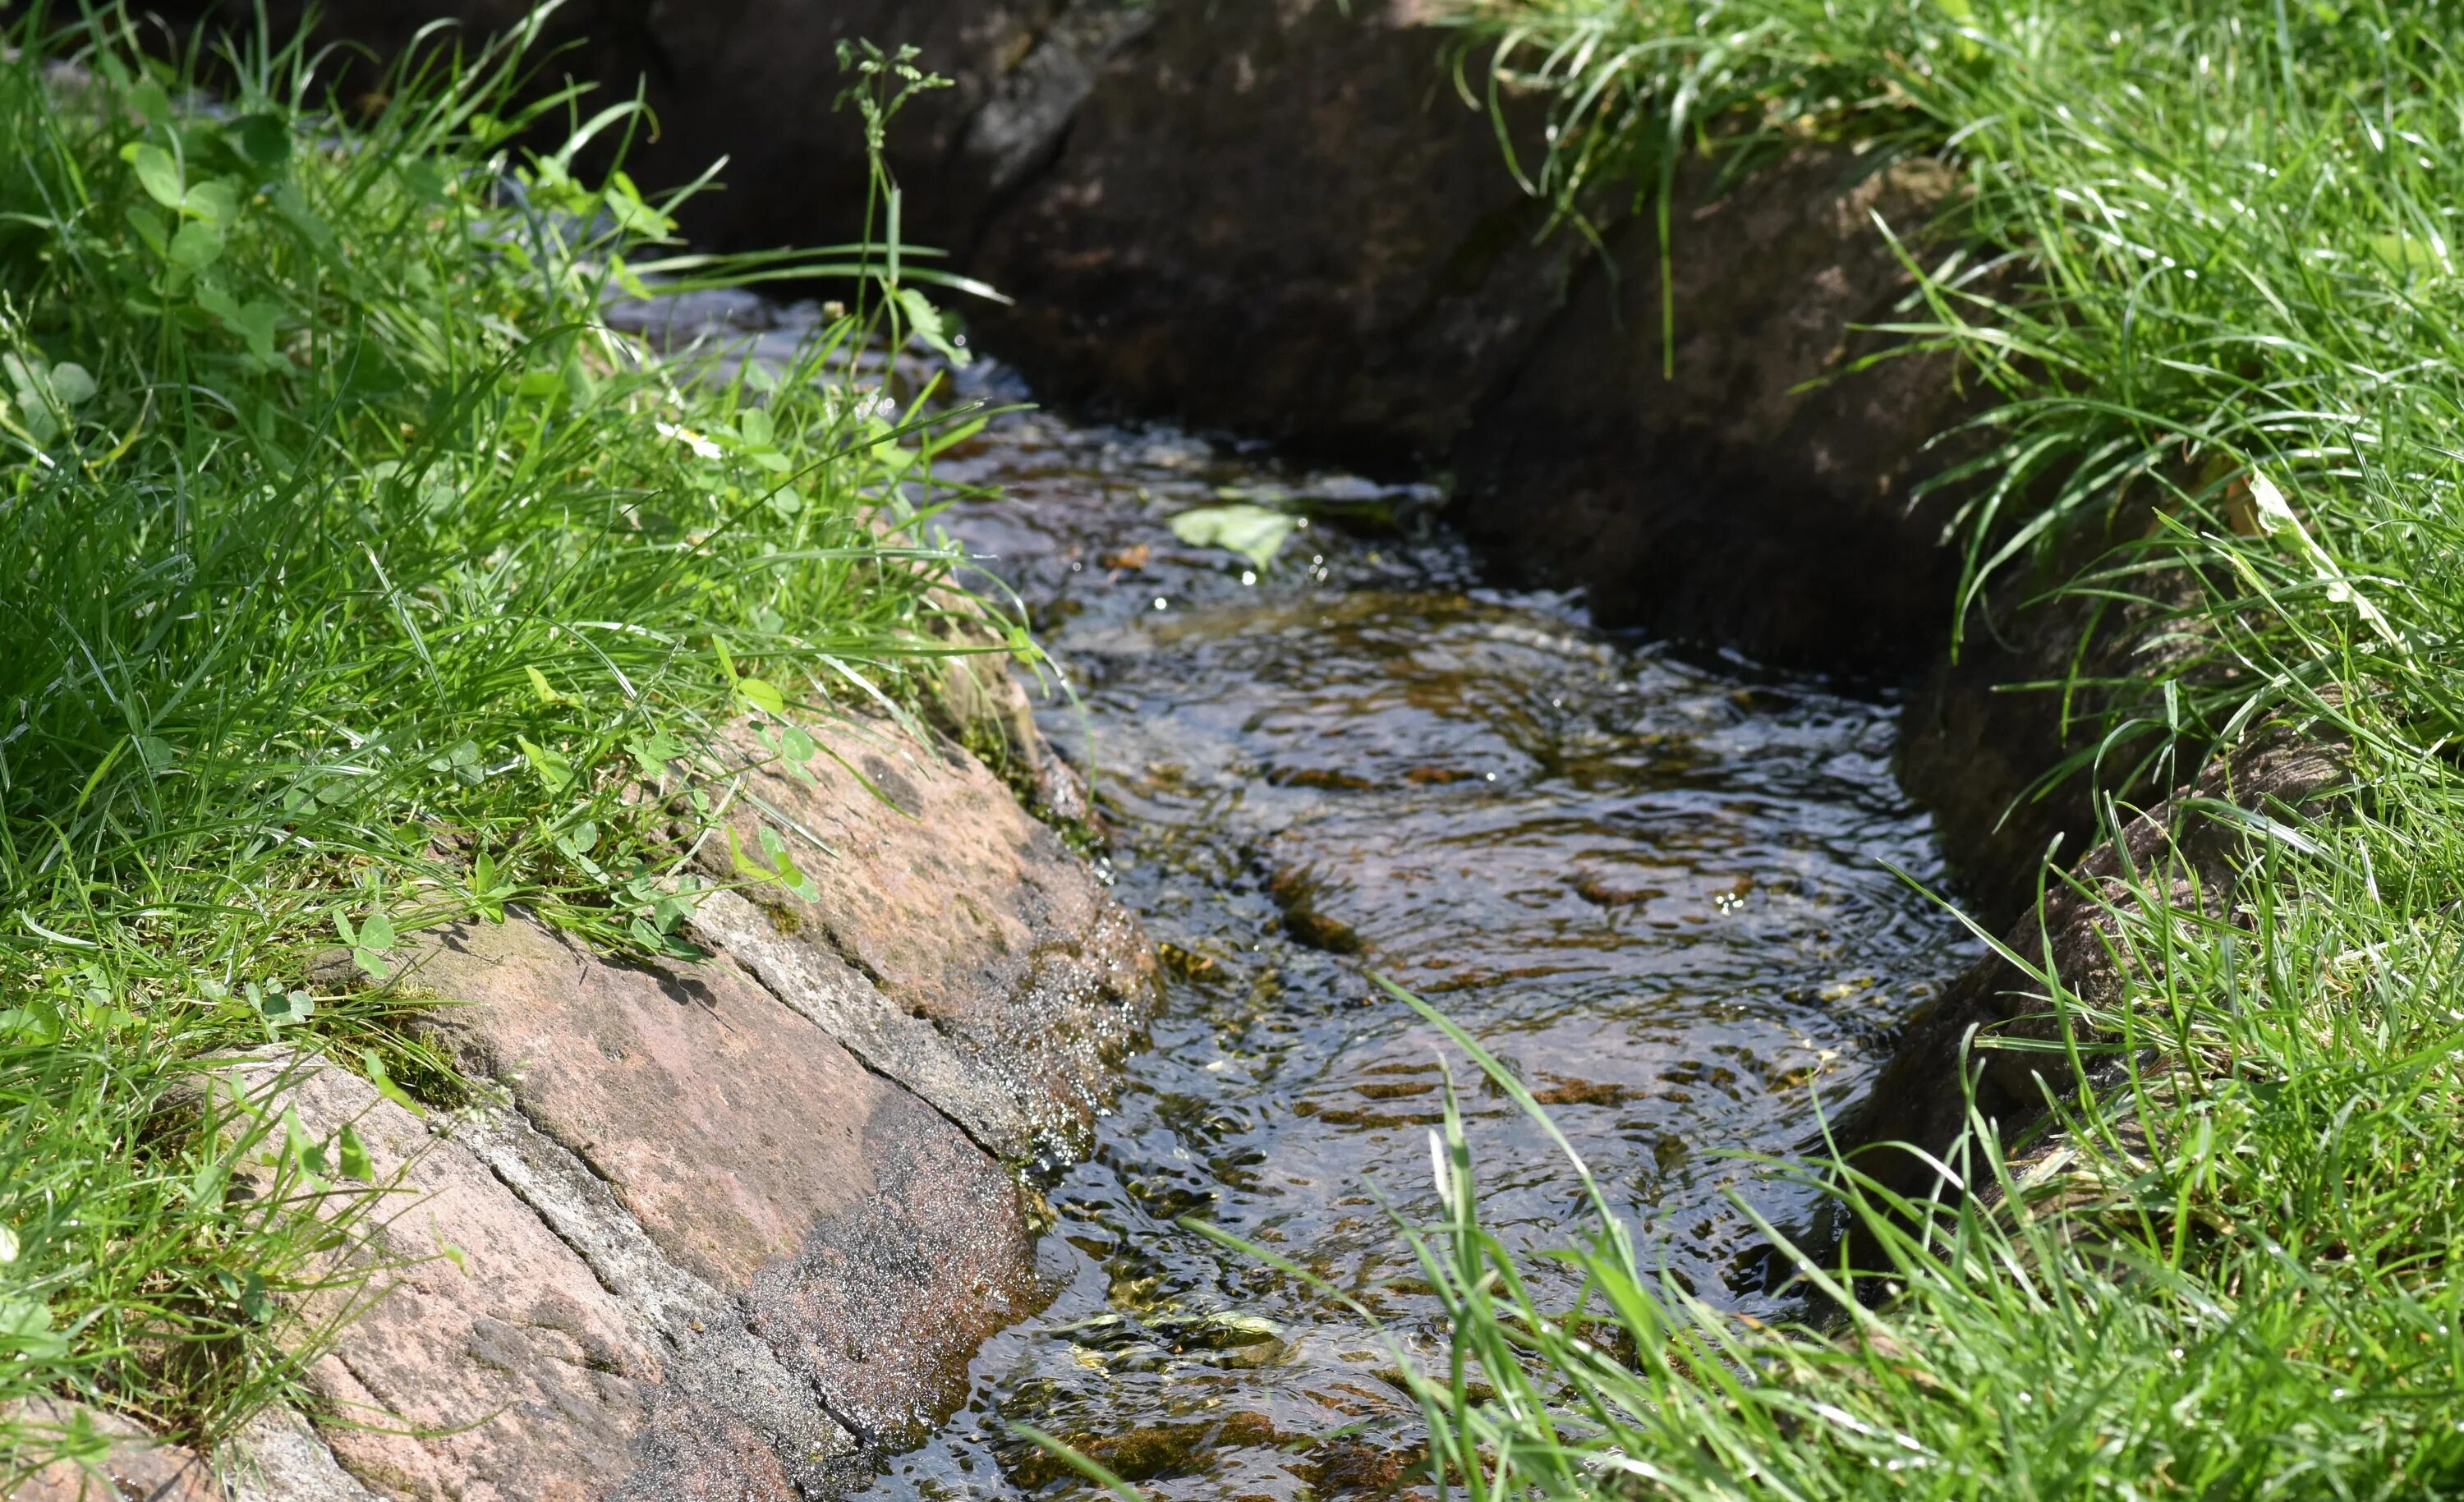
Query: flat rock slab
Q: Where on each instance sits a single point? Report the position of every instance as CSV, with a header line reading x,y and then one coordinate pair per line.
x,y
957,908
491,1365
873,1243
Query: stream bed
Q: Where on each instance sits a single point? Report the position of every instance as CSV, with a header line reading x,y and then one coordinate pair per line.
x,y
1654,883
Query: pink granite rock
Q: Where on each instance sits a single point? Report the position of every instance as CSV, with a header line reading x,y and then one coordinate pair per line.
x,y
956,906
489,1362
874,1245
719,1230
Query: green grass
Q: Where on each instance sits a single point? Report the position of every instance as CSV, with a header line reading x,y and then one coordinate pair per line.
x,y
353,578
2207,269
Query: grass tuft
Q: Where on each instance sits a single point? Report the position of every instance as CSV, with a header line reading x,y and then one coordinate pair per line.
x,y
354,576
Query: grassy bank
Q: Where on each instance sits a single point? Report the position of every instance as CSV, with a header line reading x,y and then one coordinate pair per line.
x,y
351,575
2207,266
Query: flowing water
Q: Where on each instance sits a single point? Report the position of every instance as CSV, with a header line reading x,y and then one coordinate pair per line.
x,y
1653,883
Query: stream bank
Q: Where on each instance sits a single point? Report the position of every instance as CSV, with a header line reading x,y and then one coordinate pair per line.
x,y
1109,302
1280,221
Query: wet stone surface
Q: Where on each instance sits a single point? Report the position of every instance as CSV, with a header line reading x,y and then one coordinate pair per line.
x,y
1656,886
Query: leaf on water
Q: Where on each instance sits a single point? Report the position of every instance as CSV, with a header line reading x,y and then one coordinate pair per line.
x,y
1256,533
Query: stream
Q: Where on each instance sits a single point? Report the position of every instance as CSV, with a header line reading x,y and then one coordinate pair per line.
x,y
1653,882
1659,885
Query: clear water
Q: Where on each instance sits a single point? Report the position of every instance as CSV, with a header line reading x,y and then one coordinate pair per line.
x,y
1653,884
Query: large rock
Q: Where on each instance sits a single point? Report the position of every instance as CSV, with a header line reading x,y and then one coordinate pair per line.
x,y
873,1244
726,1229
1277,219
1759,493
487,1362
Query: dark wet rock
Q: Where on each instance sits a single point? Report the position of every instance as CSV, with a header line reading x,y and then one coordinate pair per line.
x,y
2183,850
1759,495
1347,1466
1300,894
1281,220
1154,1451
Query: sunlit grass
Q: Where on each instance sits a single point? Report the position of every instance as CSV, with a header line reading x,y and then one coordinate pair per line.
x,y
351,575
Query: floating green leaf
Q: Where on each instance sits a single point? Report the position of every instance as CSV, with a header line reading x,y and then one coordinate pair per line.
x,y
1257,533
